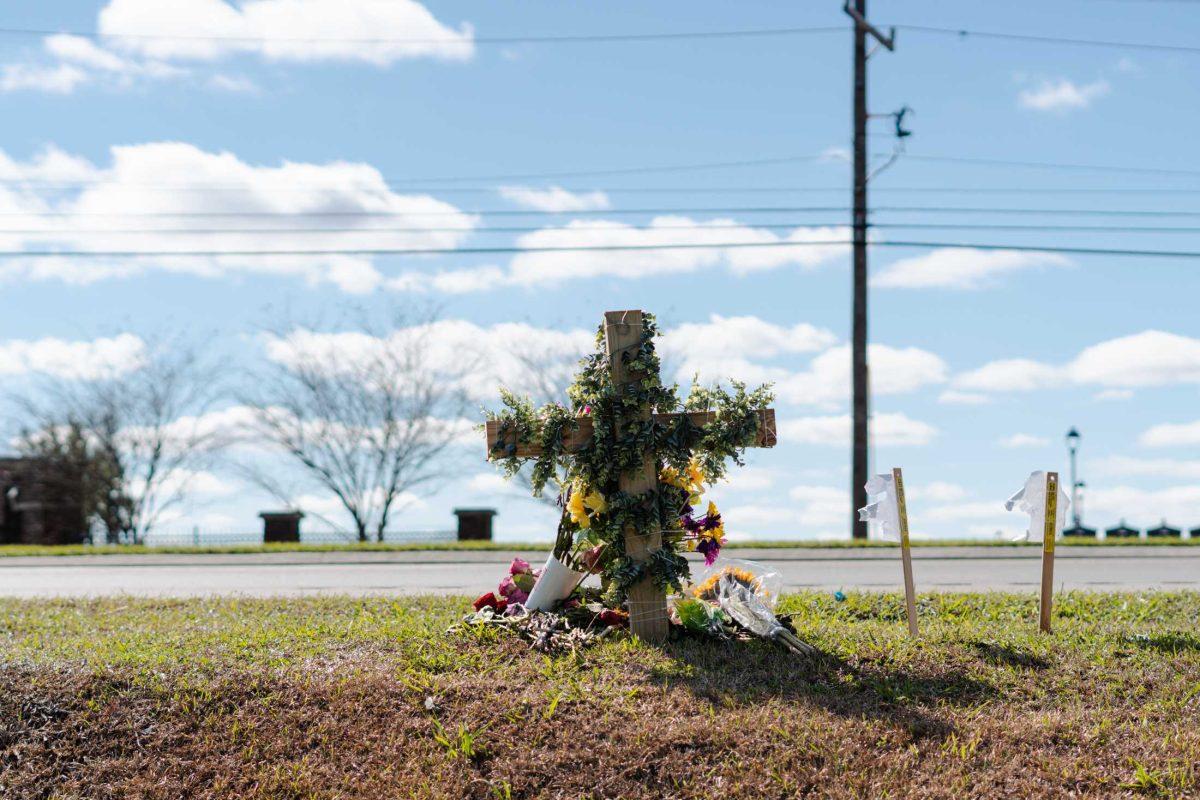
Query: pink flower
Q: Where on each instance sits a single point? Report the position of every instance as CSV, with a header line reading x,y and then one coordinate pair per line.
x,y
591,559
511,591
518,566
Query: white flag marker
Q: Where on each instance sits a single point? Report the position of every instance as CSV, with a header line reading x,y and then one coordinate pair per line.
x,y
1046,503
891,512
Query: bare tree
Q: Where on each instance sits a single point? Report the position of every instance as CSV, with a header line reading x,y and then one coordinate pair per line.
x,y
366,414
139,435
546,374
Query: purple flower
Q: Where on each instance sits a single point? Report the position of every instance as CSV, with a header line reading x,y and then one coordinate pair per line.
x,y
691,524
711,549
511,591
712,522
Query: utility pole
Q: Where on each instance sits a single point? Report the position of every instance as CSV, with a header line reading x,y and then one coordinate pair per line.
x,y
857,10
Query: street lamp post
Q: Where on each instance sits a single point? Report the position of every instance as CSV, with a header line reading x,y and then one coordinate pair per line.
x,y
1072,447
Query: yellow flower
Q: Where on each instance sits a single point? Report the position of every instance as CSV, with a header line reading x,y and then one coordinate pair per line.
x,y
577,511
670,476
595,501
584,505
696,475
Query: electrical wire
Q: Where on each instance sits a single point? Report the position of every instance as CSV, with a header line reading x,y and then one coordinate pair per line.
x,y
664,211
423,251
49,233
964,33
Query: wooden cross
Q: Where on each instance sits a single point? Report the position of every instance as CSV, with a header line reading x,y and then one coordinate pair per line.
x,y
623,332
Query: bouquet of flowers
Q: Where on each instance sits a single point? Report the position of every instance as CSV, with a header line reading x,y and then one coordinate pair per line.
x,y
740,596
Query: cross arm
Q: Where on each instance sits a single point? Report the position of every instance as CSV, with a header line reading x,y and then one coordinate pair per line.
x,y
574,438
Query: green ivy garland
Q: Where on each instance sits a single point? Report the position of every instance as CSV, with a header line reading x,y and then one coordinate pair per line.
x,y
620,443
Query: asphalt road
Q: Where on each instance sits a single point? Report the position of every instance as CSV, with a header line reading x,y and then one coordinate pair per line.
x,y
292,574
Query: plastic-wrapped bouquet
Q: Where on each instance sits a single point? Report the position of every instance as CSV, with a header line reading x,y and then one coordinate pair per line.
x,y
741,593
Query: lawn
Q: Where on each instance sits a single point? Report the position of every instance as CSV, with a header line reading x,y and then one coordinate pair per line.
x,y
15,550
341,698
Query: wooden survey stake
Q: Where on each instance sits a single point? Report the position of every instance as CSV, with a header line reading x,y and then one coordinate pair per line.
x,y
622,337
1049,533
910,593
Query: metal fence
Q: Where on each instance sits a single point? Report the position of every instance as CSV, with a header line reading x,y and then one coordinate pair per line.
x,y
198,537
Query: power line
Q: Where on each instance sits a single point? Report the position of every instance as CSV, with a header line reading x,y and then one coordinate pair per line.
x,y
742,189
660,210
587,248
1054,165
969,226
570,38
963,33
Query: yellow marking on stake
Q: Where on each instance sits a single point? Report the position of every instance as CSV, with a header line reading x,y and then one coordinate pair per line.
x,y
910,598
1049,532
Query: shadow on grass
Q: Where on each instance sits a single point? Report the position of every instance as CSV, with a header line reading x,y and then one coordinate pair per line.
x,y
1003,655
1167,642
750,673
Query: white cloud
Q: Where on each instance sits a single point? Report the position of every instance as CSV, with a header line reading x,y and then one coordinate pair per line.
x,y
975,509
886,430
960,268
1019,440
1010,375
1146,507
58,79
836,153
502,351
378,33
893,371
186,190
79,61
451,281
1062,95
238,84
936,492
548,268
953,397
84,360
1178,469
1149,358
723,347
1184,434
488,483
554,198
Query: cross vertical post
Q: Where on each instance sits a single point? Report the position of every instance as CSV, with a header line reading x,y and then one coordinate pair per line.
x,y
910,593
1049,532
647,602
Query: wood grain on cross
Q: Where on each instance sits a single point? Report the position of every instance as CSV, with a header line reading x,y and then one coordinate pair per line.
x,y
623,334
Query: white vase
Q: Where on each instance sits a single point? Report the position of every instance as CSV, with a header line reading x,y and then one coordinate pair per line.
x,y
556,582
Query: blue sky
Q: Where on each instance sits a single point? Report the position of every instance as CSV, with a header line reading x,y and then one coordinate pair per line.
x,y
986,358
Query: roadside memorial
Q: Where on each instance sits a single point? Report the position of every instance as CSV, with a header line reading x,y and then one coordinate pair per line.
x,y
634,461
890,511
1046,504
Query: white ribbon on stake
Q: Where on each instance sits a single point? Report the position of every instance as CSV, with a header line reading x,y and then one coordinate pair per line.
x,y
1046,503
890,512
1032,500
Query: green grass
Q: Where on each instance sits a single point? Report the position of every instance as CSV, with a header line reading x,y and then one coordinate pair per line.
x,y
349,698
14,550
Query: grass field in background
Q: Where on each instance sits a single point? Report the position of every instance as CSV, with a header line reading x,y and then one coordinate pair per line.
x,y
334,697
77,550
